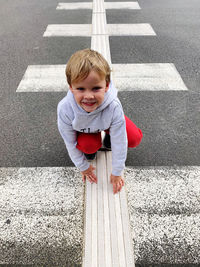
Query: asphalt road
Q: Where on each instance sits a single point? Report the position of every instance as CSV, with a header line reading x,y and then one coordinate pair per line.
x,y
170,120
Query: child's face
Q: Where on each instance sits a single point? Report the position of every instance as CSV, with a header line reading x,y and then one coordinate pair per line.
x,y
89,93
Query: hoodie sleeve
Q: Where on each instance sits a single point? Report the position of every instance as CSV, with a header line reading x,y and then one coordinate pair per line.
x,y
70,138
119,141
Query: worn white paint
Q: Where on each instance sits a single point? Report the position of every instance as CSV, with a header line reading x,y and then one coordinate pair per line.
x,y
99,27
122,5
68,30
71,6
126,77
147,77
140,29
44,78
88,5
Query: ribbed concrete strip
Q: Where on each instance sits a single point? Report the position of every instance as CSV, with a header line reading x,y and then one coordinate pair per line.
x,y
127,77
41,220
107,234
99,23
164,208
100,43
122,219
96,8
100,39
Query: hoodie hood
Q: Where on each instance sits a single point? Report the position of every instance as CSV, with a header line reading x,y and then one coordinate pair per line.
x,y
109,96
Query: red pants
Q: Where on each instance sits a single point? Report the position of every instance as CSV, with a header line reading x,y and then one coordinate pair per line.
x,y
89,143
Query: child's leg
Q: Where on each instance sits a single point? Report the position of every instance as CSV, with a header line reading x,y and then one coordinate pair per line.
x,y
134,134
88,143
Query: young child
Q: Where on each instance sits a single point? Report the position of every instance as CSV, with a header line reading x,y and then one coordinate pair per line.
x,y
91,106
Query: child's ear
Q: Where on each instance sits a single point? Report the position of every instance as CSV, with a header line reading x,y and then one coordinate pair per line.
x,y
107,86
70,87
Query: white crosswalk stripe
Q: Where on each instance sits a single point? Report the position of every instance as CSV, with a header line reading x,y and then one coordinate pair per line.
x,y
147,77
68,30
134,77
88,5
56,30
126,77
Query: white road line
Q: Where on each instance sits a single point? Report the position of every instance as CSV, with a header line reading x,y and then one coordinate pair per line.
x,y
140,29
44,78
88,5
126,77
68,30
122,5
71,6
147,77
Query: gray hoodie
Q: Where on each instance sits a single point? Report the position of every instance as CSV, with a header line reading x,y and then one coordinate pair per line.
x,y
109,115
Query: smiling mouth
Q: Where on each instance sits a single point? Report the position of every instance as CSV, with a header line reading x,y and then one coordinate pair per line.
x,y
89,104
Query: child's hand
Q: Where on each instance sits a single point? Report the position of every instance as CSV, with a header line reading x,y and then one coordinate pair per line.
x,y
117,182
89,174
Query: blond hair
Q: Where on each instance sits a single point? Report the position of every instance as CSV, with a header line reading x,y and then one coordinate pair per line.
x,y
82,62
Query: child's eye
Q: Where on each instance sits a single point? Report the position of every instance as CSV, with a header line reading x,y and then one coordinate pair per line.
x,y
96,88
80,88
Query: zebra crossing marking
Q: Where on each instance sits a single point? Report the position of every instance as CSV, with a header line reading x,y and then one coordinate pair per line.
x,y
122,66
63,30
44,78
126,77
68,30
147,77
88,5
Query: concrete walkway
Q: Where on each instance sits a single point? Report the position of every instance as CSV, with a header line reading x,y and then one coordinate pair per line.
x,y
42,215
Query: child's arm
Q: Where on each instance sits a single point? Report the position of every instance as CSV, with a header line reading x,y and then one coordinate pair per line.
x,y
119,146
70,138
119,142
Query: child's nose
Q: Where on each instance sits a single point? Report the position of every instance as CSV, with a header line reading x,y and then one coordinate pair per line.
x,y
89,95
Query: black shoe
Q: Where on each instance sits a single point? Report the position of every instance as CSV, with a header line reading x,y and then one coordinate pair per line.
x,y
90,156
106,142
